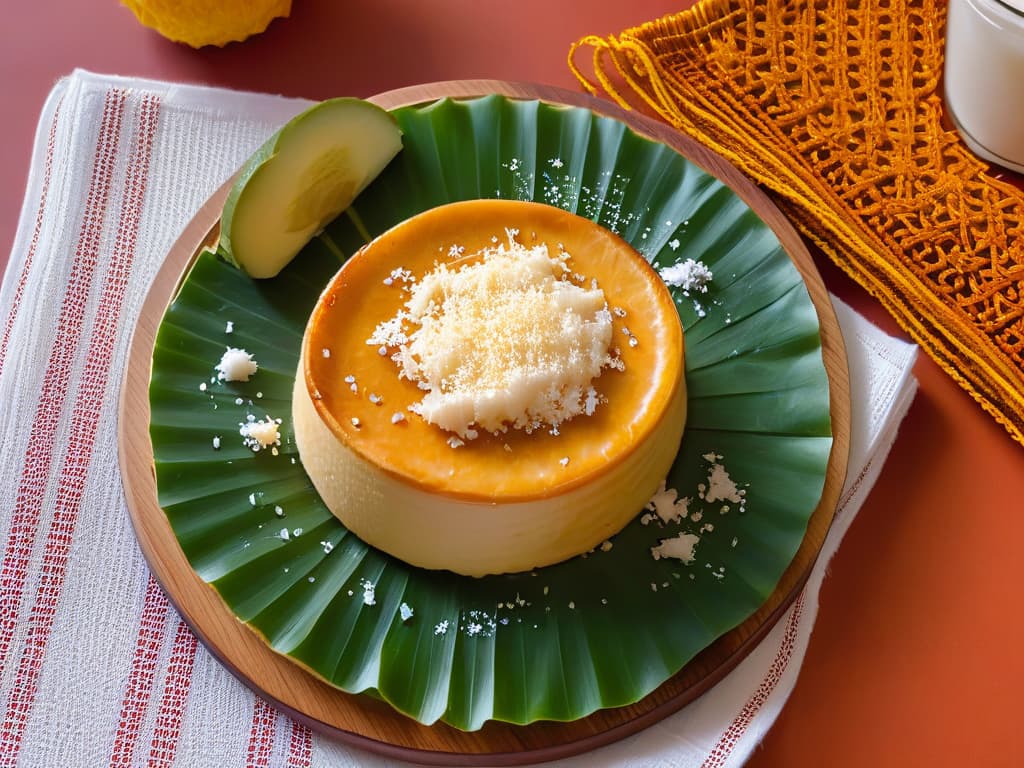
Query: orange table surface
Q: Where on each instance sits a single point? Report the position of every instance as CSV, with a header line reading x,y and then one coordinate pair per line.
x,y
915,658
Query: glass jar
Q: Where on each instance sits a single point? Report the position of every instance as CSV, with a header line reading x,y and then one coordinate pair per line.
x,y
984,77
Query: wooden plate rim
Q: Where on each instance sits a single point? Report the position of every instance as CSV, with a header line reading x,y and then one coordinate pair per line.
x,y
361,720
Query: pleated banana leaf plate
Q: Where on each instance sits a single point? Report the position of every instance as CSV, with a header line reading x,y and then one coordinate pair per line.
x,y
587,650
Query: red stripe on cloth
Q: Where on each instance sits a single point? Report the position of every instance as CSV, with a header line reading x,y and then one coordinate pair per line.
x,y
32,488
85,418
723,749
261,736
177,685
139,688
300,746
19,290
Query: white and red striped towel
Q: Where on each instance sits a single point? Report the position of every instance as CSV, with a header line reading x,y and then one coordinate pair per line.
x,y
95,667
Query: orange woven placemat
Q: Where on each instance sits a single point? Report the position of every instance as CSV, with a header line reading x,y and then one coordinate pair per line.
x,y
836,108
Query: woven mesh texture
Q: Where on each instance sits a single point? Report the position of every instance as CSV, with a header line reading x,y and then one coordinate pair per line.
x,y
836,108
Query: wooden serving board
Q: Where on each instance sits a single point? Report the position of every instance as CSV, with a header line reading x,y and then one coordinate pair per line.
x,y
362,720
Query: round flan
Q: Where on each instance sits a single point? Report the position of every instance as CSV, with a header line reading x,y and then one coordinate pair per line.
x,y
443,479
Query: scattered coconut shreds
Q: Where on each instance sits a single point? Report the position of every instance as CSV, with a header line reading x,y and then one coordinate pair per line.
x,y
397,417
236,365
278,511
369,592
202,386
564,461
283,534
606,546
328,546
216,443
441,627
689,275
229,327
326,352
526,299
681,547
666,504
405,612
721,487
258,435
355,422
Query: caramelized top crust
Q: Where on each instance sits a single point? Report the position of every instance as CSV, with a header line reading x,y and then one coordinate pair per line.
x,y
514,466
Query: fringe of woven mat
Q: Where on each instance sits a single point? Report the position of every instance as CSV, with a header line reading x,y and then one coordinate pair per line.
x,y
635,69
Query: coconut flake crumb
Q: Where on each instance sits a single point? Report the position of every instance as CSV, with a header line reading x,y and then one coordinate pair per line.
x,y
680,547
229,327
369,592
328,546
397,417
689,275
260,434
236,365
405,612
667,506
216,442
721,487
441,627
283,534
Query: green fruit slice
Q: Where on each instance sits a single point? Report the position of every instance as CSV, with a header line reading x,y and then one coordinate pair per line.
x,y
301,178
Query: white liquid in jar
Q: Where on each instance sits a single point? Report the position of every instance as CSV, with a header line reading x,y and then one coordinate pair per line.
x,y
984,77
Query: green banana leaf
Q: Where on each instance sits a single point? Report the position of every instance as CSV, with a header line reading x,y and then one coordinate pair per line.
x,y
600,630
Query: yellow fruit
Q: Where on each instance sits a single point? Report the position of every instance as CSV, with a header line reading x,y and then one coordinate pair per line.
x,y
208,22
